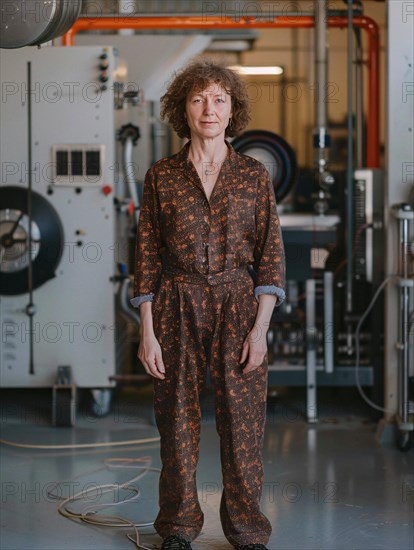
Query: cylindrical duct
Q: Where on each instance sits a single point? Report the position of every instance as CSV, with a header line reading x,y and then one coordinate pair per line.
x,y
31,22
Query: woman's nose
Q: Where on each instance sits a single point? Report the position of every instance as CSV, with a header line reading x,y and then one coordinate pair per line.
x,y
208,107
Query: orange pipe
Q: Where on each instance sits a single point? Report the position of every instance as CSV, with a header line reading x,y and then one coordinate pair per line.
x,y
293,21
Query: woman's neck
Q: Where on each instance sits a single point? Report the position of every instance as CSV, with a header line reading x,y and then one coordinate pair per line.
x,y
209,150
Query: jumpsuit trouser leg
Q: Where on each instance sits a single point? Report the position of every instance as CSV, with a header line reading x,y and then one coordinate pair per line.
x,y
189,318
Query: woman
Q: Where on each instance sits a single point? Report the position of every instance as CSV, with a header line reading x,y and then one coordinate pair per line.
x,y
207,214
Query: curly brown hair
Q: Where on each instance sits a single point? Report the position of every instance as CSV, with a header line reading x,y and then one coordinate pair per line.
x,y
196,77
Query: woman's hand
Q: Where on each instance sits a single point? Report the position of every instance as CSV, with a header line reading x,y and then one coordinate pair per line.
x,y
254,349
149,351
255,344
150,355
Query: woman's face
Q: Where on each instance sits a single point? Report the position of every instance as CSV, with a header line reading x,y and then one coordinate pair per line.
x,y
208,112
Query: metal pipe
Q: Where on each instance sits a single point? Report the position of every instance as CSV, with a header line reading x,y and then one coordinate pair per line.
x,y
404,319
373,109
125,8
294,113
328,321
321,63
311,348
129,172
297,21
282,106
259,16
124,302
359,102
350,174
158,133
30,308
321,138
405,216
186,23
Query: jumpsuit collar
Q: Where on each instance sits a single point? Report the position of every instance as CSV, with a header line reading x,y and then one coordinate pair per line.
x,y
181,159
224,182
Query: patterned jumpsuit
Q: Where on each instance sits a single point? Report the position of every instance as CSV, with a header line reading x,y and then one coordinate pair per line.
x,y
191,261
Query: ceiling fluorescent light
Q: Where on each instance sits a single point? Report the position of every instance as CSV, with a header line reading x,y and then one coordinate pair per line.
x,y
229,45
250,70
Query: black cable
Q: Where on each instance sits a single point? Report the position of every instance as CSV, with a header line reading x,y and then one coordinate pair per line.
x,y
357,347
350,168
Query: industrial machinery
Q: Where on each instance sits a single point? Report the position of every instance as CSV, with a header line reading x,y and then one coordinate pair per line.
x,y
57,220
334,261
312,337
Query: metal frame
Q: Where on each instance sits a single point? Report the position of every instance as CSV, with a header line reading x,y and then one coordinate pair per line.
x,y
400,163
314,374
405,216
311,347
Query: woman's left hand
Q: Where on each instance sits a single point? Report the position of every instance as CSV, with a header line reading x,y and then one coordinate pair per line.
x,y
254,349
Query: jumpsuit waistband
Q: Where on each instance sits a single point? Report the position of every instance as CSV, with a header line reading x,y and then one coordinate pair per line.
x,y
209,279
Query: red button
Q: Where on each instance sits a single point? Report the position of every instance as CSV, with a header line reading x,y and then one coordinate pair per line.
x,y
131,208
106,189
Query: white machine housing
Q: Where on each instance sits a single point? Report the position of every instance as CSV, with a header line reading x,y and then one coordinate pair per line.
x,y
73,109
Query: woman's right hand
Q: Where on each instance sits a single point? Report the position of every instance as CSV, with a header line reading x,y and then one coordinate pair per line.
x,y
150,355
149,351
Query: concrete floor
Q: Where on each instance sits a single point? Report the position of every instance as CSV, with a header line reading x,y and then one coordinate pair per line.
x,y
328,486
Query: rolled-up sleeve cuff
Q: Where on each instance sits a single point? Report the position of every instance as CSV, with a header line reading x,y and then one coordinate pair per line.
x,y
138,300
271,289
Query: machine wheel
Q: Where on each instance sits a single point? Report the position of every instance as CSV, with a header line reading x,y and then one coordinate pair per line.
x,y
101,401
275,153
47,240
404,441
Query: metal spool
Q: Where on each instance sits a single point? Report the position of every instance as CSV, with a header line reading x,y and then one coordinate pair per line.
x,y
31,22
15,256
275,153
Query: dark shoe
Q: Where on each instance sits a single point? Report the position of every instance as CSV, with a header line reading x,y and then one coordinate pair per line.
x,y
251,547
174,542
